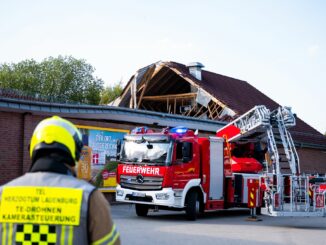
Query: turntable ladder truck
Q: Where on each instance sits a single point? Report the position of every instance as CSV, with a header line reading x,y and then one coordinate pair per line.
x,y
175,169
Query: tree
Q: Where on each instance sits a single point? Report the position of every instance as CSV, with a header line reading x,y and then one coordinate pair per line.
x,y
62,79
110,93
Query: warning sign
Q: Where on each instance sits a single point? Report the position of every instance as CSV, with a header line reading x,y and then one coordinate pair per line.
x,y
43,205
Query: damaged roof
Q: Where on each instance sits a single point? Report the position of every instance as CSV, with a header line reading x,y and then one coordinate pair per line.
x,y
166,78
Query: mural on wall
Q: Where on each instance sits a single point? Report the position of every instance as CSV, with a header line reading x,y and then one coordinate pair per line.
x,y
98,162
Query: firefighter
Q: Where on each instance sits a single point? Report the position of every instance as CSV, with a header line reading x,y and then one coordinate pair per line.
x,y
48,205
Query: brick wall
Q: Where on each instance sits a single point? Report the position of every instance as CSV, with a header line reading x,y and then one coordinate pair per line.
x,y
11,139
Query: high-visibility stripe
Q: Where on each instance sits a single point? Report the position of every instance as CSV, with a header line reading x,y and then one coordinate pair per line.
x,y
114,238
10,234
109,239
252,195
70,235
62,237
4,233
67,235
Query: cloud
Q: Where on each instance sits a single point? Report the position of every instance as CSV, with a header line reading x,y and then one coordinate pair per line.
x,y
313,50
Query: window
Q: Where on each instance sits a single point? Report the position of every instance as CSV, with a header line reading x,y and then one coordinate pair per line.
x,y
184,152
179,151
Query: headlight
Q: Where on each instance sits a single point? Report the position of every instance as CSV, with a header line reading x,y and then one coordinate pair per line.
x,y
162,196
119,192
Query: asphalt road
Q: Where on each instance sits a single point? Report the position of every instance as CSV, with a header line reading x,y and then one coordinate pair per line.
x,y
225,227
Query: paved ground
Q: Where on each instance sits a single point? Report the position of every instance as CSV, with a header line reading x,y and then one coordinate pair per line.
x,y
227,227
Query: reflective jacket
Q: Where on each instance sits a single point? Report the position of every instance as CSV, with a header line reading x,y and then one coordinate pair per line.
x,y
44,208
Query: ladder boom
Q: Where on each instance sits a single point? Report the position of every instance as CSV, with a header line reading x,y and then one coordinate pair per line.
x,y
285,194
259,124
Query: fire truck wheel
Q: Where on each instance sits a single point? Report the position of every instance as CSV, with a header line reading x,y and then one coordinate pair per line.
x,y
142,210
193,205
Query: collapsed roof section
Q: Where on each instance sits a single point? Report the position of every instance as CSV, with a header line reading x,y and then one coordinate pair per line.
x,y
163,87
174,88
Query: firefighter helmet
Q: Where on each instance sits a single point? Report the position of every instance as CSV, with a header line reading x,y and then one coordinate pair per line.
x,y
56,134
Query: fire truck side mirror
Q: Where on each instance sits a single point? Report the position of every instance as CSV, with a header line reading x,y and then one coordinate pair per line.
x,y
118,149
186,151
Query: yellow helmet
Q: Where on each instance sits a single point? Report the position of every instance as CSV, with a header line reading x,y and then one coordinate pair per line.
x,y
56,134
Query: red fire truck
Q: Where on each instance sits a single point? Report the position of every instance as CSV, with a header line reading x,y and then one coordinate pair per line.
x,y
251,162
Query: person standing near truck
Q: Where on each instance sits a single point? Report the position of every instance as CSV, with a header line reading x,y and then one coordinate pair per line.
x,y
48,205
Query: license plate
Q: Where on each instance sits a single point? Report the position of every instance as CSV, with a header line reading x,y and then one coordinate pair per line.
x,y
138,194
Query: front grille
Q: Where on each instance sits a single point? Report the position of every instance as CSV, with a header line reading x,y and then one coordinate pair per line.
x,y
149,183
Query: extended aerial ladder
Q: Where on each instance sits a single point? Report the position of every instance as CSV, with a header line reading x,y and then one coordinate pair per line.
x,y
287,192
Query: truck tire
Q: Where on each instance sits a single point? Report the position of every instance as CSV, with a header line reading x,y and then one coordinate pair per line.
x,y
141,210
192,205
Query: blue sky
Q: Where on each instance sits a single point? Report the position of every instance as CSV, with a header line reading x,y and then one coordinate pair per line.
x,y
277,46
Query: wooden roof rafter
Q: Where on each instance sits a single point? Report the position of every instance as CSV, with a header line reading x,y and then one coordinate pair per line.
x,y
196,85
170,97
156,81
152,70
146,79
154,73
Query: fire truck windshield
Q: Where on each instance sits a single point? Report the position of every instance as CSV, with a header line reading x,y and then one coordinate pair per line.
x,y
146,149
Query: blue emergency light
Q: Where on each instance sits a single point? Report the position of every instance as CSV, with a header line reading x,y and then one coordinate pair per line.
x,y
179,130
